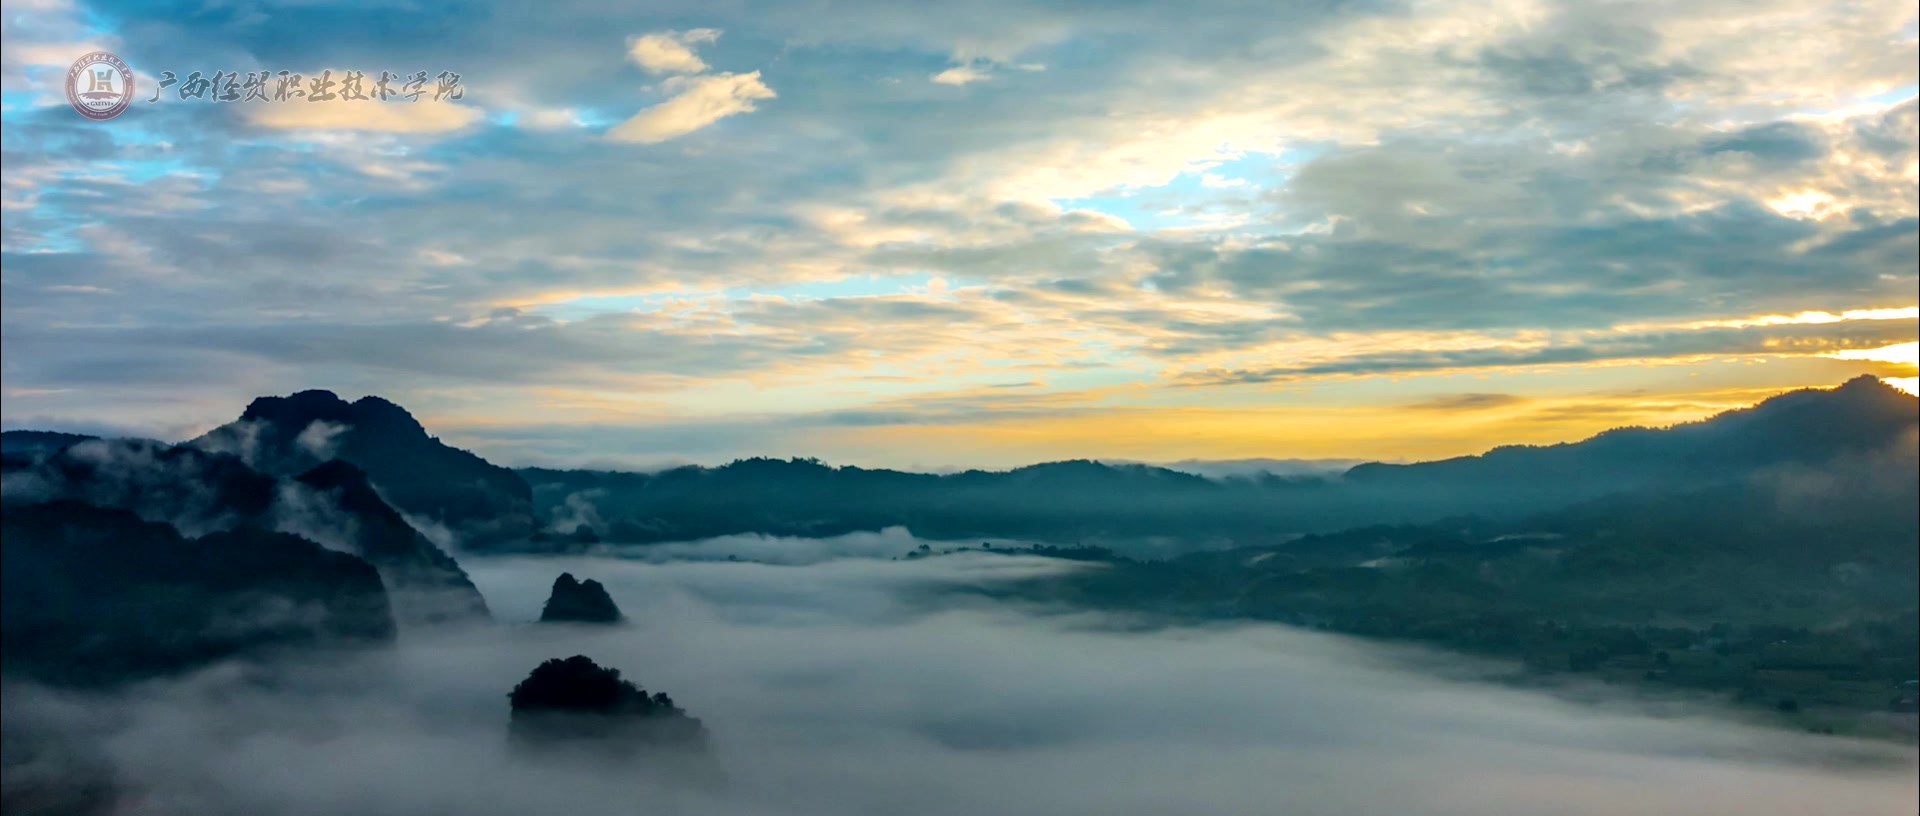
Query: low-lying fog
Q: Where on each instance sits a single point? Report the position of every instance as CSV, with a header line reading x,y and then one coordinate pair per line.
x,y
838,686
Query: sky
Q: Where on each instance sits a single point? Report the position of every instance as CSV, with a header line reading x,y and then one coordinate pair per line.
x,y
837,685
979,234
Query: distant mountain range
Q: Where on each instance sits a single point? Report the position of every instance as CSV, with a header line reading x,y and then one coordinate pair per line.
x,y
491,508
1124,505
1249,468
1809,426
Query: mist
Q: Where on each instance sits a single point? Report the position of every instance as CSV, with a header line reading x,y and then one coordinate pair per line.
x,y
853,685
890,542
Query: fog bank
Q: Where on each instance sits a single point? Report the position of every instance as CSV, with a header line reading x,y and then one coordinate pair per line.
x,y
839,687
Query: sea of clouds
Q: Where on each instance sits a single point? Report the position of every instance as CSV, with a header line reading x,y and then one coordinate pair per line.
x,y
843,683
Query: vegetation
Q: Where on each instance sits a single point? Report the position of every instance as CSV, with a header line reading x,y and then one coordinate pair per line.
x,y
577,704
96,596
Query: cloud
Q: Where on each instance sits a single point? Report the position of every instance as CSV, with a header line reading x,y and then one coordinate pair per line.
x,y
962,74
696,103
670,52
320,439
1468,402
1408,188
389,117
1617,348
864,686
890,543
551,118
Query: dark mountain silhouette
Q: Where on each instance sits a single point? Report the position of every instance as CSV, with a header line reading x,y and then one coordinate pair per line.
x,y
428,585
803,497
574,601
1087,501
96,595
32,442
1808,426
416,472
199,492
577,710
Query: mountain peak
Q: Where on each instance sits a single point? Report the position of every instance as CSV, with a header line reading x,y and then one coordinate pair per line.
x,y
415,472
376,412
574,601
311,405
1870,385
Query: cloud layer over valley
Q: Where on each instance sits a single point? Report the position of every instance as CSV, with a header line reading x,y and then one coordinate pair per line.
x,y
848,686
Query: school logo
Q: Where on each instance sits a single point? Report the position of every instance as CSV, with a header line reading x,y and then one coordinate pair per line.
x,y
99,85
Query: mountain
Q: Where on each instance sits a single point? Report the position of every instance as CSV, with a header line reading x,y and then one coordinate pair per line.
x,y
574,601
1142,509
429,586
803,497
1133,506
198,492
97,595
415,472
1250,468
1807,426
30,442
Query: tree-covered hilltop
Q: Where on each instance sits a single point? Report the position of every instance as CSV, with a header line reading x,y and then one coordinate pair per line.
x,y
1085,501
578,708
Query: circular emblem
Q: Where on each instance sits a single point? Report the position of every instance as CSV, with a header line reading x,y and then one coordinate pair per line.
x,y
99,85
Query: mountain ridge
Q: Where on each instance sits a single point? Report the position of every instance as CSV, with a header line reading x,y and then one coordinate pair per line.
x,y
1077,500
1063,501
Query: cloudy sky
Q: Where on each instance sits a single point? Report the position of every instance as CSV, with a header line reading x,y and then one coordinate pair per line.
x,y
981,233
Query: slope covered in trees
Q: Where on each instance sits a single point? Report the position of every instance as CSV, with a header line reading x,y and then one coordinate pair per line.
x,y
96,595
199,492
